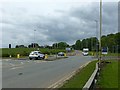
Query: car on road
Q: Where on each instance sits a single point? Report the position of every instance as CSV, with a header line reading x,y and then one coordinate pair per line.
x,y
36,55
61,54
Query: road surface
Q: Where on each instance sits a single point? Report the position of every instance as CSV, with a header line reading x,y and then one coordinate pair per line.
x,y
38,74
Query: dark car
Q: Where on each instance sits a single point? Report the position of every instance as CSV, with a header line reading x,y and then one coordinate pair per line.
x,y
61,54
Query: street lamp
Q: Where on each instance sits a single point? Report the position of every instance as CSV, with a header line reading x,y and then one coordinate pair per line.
x,y
34,39
56,48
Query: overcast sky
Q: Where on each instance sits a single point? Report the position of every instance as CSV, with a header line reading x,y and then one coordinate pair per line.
x,y
54,21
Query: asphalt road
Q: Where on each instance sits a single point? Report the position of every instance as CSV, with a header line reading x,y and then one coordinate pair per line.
x,y
38,74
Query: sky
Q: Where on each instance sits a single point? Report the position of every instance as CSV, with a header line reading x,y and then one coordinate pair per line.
x,y
49,21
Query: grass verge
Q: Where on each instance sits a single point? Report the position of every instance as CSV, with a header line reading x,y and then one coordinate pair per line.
x,y
6,52
79,80
109,75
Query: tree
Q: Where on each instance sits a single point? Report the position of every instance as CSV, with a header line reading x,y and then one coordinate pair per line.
x,y
94,42
55,45
84,43
73,46
20,46
78,45
33,45
111,41
90,43
117,41
62,45
117,38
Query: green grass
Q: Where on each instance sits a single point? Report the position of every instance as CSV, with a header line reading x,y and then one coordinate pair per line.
x,y
109,54
109,75
113,54
79,80
6,52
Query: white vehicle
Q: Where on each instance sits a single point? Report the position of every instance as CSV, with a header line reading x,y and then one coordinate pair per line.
x,y
85,51
36,55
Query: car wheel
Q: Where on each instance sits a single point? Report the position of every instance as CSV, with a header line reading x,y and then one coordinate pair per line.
x,y
43,57
39,57
36,58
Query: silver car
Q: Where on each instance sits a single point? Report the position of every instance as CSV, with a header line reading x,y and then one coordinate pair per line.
x,y
36,55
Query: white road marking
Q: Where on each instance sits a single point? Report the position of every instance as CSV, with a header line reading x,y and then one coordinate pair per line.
x,y
40,61
15,68
6,59
37,61
12,64
22,63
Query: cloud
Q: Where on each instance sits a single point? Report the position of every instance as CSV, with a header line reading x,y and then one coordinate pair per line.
x,y
54,22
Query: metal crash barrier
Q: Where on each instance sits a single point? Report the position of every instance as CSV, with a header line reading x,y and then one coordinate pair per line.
x,y
90,85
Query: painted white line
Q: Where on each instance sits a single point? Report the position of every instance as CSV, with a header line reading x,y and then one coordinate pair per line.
x,y
6,59
15,68
12,64
22,63
39,61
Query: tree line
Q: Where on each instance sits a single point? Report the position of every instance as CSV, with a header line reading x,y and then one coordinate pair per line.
x,y
111,41
60,45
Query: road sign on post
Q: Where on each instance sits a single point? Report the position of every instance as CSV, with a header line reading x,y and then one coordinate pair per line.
x,y
9,45
105,50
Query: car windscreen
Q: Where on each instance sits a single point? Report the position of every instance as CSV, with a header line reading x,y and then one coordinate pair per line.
x,y
85,51
33,53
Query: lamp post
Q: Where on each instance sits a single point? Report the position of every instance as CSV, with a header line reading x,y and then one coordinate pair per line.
x,y
100,31
96,38
56,48
34,39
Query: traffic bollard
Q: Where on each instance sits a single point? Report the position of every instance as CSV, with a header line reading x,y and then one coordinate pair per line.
x,y
46,56
18,55
64,54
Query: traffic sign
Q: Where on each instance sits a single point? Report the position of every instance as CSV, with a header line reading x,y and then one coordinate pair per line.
x,y
105,50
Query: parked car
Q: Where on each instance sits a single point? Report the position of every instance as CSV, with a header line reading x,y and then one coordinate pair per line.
x,y
61,54
36,55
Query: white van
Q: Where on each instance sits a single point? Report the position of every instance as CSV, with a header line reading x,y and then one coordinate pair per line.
x,y
85,51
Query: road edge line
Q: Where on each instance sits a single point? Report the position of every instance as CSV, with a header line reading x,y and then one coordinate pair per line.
x,y
63,80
